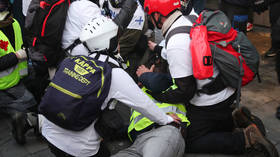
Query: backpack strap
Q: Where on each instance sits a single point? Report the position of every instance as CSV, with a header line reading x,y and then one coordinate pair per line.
x,y
177,30
72,46
192,18
214,86
181,29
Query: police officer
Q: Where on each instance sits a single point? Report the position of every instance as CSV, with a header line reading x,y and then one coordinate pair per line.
x,y
15,99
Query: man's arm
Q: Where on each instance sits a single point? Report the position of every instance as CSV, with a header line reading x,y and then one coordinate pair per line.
x,y
8,61
126,14
124,89
11,59
183,93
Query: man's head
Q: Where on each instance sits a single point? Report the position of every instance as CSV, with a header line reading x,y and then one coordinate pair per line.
x,y
4,9
100,34
159,10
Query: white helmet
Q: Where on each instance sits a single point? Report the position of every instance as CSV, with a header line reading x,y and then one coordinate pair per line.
x,y
99,34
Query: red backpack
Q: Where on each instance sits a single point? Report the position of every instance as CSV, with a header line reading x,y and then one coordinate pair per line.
x,y
213,40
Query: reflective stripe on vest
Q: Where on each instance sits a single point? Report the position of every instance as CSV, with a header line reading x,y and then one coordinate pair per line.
x,y
8,71
138,122
10,77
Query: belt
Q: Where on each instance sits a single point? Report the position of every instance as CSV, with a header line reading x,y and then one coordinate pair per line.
x,y
135,133
176,125
182,127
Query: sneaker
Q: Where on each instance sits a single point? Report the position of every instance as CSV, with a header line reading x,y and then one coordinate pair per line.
x,y
271,52
257,141
249,26
242,118
19,127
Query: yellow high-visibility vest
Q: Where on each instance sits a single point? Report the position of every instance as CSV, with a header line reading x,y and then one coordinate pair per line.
x,y
10,77
138,122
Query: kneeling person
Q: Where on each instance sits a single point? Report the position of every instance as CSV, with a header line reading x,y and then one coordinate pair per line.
x,y
83,140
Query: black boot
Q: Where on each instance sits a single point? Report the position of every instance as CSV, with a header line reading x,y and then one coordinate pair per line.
x,y
243,117
256,141
19,127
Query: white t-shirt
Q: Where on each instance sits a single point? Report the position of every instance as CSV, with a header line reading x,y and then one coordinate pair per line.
x,y
79,14
25,5
123,88
180,64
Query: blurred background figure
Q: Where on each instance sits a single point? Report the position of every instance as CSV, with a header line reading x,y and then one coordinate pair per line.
x,y
238,12
198,5
274,15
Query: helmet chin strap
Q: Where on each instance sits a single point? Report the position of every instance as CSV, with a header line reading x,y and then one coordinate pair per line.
x,y
157,22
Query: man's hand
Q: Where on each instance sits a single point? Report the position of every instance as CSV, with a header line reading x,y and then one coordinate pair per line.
x,y
175,118
143,69
151,45
21,54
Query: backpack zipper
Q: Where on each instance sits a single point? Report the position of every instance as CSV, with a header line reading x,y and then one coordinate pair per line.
x,y
65,91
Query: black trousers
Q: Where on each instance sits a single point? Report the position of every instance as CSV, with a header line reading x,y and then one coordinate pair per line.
x,y
278,65
211,129
102,152
274,15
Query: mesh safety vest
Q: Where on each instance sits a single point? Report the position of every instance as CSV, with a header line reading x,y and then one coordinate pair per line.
x,y
138,122
10,77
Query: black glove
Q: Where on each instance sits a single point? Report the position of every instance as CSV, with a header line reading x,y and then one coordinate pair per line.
x,y
260,6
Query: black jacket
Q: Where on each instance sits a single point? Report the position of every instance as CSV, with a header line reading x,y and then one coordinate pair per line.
x,y
186,88
241,3
8,61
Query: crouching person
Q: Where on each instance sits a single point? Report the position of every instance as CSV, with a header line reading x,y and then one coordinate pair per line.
x,y
84,86
15,99
153,140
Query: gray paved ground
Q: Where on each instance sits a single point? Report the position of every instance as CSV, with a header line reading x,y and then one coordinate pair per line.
x,y
261,98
